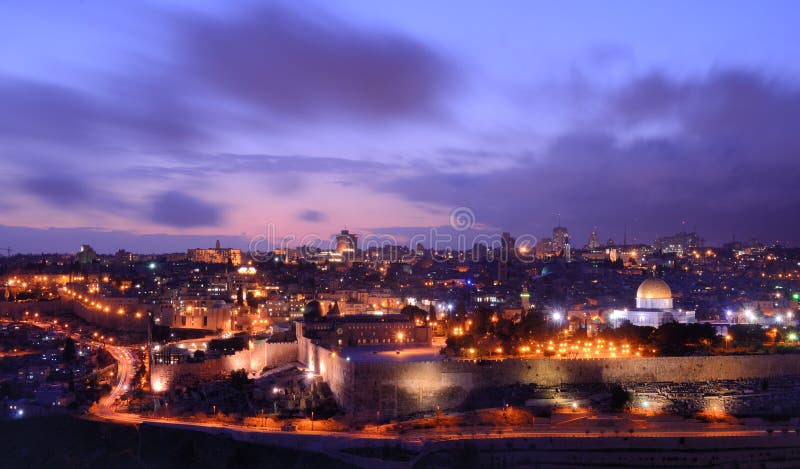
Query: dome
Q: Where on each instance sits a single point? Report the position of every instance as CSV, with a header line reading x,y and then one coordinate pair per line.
x,y
654,293
654,289
553,268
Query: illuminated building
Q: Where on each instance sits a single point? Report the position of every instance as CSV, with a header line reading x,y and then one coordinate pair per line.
x,y
678,243
525,300
654,307
211,315
560,237
361,329
545,248
594,241
86,255
346,243
215,255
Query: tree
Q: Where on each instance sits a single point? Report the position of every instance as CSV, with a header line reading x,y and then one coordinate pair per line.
x,y
239,379
682,339
534,325
508,334
414,313
629,332
620,398
748,335
69,354
457,345
482,320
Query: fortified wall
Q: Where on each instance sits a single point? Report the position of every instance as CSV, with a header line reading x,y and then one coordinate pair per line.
x,y
263,354
17,310
336,370
109,320
385,389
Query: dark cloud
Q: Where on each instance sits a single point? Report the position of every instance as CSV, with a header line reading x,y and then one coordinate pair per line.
x,y
61,189
179,210
43,112
33,110
312,65
197,164
288,163
170,208
271,63
313,216
280,175
717,151
58,190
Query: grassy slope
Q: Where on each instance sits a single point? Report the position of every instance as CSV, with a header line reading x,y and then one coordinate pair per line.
x,y
67,442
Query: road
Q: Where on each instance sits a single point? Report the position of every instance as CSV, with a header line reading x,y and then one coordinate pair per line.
x,y
126,364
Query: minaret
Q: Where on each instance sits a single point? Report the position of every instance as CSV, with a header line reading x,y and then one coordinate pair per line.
x,y
525,299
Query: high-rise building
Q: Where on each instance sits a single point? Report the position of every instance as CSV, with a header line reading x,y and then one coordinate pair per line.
x,y
346,243
507,247
86,255
560,237
594,241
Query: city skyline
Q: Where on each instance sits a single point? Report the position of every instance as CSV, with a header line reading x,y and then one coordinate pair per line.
x,y
399,233
123,128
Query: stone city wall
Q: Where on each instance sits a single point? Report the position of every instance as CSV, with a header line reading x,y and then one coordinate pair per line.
x,y
110,320
17,310
334,369
389,389
263,354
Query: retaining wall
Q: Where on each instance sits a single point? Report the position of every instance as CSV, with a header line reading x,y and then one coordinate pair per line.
x,y
389,389
263,354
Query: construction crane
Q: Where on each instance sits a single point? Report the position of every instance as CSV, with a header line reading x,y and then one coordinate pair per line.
x,y
7,251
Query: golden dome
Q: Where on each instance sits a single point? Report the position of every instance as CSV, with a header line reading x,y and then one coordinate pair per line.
x,y
654,289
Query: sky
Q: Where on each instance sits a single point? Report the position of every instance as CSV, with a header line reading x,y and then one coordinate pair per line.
x,y
159,126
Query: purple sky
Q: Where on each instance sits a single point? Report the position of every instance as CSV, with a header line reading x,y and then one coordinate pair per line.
x,y
157,126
